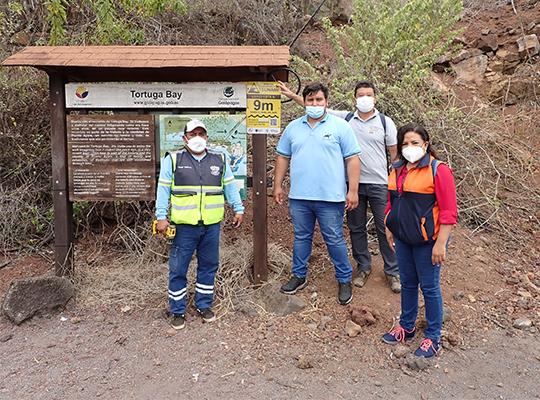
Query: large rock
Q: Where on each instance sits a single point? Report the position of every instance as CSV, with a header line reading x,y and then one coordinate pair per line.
x,y
27,296
528,45
352,329
461,56
273,301
416,363
488,42
510,58
511,89
471,70
522,323
340,11
436,84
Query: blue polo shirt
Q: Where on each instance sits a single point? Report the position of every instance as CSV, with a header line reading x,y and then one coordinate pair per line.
x,y
317,156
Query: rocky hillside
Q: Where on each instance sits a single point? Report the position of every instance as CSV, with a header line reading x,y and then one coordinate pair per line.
x,y
499,59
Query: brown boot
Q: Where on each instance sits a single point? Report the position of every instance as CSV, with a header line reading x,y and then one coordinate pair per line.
x,y
361,278
394,282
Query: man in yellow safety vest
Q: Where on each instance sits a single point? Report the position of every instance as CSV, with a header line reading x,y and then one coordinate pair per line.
x,y
196,181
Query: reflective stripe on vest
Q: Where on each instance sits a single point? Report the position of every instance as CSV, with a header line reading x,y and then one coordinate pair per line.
x,y
197,188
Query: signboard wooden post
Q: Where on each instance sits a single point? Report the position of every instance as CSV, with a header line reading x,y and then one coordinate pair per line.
x,y
263,114
63,208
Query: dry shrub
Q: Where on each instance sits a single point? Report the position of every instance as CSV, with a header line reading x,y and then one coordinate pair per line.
x,y
24,222
495,167
25,191
238,22
105,276
138,278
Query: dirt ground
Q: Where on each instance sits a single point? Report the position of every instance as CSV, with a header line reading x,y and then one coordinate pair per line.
x,y
131,353
113,354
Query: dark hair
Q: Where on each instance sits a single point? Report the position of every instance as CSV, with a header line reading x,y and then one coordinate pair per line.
x,y
314,88
365,84
416,128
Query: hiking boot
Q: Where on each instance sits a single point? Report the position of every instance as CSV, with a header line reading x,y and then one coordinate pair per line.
x,y
345,293
398,335
394,282
361,278
294,285
206,314
428,348
178,321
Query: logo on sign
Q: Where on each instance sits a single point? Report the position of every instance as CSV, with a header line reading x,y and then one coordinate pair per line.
x,y
228,91
81,92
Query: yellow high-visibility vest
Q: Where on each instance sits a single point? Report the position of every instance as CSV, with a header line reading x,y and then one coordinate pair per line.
x,y
197,188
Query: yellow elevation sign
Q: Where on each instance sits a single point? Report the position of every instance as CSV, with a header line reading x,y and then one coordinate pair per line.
x,y
263,112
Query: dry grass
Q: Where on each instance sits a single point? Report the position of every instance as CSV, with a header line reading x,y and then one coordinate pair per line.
x,y
141,278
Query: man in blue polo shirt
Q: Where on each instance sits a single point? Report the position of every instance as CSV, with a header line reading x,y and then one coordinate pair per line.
x,y
315,146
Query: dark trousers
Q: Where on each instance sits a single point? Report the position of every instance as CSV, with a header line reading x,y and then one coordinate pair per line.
x,y
377,196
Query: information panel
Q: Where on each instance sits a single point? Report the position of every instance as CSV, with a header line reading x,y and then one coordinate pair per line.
x,y
263,107
111,157
186,95
226,133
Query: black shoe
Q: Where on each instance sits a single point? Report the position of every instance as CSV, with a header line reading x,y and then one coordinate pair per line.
x,y
206,314
178,322
294,285
345,293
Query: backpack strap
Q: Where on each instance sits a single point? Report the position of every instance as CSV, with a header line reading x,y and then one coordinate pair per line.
x,y
349,116
434,164
383,121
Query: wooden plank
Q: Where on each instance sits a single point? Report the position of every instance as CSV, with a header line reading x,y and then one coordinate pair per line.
x,y
260,246
63,208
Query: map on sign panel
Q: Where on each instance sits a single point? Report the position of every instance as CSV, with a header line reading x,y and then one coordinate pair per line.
x,y
226,133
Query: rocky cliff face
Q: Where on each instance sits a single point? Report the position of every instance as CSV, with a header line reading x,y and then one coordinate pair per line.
x,y
500,54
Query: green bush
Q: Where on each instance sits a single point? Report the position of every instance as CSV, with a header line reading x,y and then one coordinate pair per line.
x,y
391,43
106,22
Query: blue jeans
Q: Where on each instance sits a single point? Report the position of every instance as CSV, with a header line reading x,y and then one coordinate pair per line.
x,y
330,218
377,195
416,269
204,239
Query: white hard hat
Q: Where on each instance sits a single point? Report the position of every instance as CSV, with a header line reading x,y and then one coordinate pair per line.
x,y
192,124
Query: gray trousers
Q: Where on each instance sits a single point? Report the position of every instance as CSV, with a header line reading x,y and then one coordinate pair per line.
x,y
377,196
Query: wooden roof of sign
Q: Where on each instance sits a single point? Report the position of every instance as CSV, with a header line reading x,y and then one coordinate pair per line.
x,y
155,63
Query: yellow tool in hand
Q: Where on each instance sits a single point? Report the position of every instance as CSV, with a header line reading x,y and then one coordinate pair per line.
x,y
170,234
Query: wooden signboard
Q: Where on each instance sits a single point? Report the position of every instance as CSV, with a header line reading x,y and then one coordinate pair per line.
x,y
111,157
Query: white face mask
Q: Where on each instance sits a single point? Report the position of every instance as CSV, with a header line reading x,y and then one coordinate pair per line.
x,y
365,103
197,144
413,153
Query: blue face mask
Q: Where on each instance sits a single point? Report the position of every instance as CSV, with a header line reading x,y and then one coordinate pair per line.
x,y
315,112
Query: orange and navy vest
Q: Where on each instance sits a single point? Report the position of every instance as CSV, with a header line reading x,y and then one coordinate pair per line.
x,y
414,215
